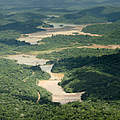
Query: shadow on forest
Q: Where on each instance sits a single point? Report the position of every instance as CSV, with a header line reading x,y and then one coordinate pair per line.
x,y
22,27
98,76
14,42
30,98
106,63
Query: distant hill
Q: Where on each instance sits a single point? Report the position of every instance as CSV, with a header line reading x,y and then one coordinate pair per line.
x,y
56,3
92,15
98,76
102,28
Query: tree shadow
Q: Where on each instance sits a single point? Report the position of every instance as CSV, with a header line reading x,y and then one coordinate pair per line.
x,y
22,27
13,42
99,77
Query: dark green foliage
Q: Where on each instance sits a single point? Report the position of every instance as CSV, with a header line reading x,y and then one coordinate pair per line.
x,y
98,76
76,4
62,41
74,53
92,15
102,28
8,42
21,27
22,22
72,111
19,81
58,41
18,98
95,71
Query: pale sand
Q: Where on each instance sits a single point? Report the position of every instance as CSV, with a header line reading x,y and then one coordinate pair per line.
x,y
51,85
95,46
33,38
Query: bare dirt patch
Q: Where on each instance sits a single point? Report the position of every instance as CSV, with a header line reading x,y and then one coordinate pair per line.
x,y
95,46
51,85
27,59
58,94
33,38
48,51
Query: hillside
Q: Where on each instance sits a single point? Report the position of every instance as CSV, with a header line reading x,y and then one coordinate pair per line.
x,y
98,76
59,71
102,28
19,94
100,14
55,3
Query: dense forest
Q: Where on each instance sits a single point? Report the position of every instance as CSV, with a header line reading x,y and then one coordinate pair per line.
x,y
93,71
100,72
19,94
102,28
71,4
100,14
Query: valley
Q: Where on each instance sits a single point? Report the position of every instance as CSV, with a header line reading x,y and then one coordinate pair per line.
x,y
66,29
51,85
60,60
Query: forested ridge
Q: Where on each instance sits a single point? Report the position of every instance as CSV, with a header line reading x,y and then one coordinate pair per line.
x,y
102,28
100,73
17,5
100,14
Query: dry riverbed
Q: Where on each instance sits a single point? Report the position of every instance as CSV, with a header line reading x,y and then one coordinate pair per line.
x,y
33,38
51,85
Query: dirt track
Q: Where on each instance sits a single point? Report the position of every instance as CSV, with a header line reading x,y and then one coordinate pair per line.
x,y
94,46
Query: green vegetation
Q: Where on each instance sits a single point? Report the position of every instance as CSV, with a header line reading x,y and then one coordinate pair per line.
x,y
76,52
8,42
22,22
97,75
92,15
95,71
54,42
78,111
19,81
19,94
46,4
102,28
59,41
